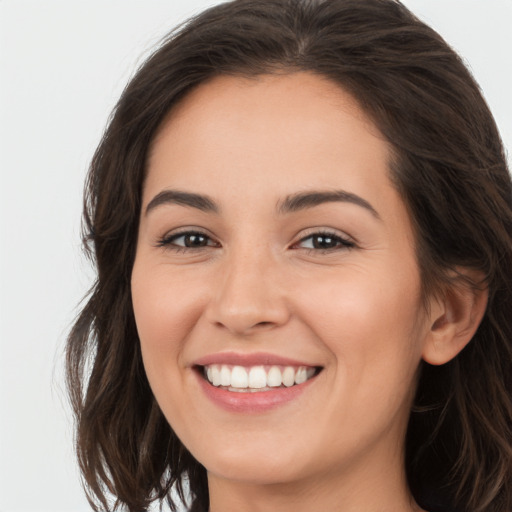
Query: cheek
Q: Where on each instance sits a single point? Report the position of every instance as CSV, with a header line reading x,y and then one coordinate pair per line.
x,y
371,322
166,311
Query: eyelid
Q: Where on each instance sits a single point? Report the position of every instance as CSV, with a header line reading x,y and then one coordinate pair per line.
x,y
166,241
346,241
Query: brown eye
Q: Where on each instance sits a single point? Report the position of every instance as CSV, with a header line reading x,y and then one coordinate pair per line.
x,y
188,240
194,240
324,241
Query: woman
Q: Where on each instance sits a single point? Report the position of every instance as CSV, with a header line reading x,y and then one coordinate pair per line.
x,y
301,216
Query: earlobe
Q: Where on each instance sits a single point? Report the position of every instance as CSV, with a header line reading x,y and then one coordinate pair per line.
x,y
455,318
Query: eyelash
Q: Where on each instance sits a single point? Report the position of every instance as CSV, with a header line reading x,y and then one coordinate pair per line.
x,y
340,243
169,241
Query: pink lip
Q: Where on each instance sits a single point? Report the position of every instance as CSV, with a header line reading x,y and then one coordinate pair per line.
x,y
257,402
255,359
250,402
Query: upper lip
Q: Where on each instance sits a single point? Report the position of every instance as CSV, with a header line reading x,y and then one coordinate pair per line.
x,y
254,359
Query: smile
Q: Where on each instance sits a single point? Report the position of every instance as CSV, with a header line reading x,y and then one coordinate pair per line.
x,y
253,383
243,379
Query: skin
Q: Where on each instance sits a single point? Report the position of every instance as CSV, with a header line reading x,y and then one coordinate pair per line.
x,y
260,287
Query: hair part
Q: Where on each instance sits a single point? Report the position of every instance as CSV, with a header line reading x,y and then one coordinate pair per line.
x,y
450,169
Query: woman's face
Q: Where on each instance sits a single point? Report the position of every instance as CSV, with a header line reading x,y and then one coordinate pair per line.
x,y
273,248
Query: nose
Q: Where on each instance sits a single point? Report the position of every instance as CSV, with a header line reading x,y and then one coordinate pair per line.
x,y
250,296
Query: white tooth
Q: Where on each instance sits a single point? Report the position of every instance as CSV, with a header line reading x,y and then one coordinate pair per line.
x,y
289,376
274,377
310,372
215,375
225,376
209,373
301,375
239,377
257,377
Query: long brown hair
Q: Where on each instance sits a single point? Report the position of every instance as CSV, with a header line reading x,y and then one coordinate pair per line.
x,y
450,169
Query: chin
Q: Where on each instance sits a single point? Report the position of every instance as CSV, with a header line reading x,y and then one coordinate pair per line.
x,y
255,472
254,464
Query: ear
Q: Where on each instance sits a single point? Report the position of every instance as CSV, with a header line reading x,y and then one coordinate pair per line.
x,y
455,317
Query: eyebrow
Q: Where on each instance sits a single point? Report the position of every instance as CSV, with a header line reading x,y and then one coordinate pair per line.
x,y
292,203
199,201
304,200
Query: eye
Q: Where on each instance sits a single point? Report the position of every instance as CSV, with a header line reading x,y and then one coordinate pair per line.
x,y
324,241
187,240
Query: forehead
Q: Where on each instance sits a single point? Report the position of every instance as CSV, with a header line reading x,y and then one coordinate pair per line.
x,y
261,127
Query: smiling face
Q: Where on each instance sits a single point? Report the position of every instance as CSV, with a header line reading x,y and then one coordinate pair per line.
x,y
273,247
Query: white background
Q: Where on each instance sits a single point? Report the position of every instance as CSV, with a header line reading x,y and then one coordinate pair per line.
x,y
63,65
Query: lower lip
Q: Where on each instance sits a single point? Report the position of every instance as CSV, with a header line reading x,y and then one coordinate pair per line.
x,y
252,402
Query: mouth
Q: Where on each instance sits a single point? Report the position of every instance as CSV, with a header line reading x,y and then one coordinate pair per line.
x,y
258,378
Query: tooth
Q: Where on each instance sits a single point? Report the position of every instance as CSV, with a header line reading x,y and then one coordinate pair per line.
x,y
301,375
274,377
257,377
215,375
289,376
239,377
225,376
